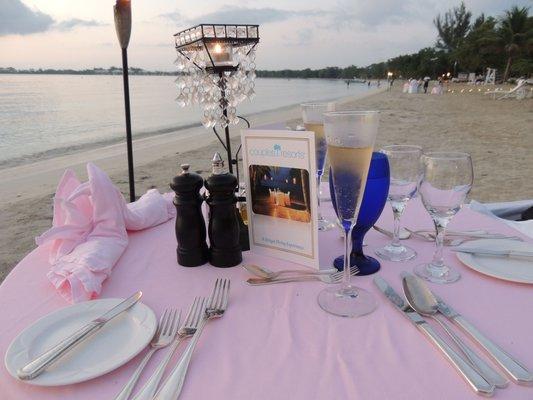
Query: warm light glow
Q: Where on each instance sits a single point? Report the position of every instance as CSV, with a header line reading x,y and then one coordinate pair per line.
x,y
448,74
389,74
217,48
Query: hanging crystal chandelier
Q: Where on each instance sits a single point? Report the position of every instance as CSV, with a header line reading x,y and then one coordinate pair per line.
x,y
216,69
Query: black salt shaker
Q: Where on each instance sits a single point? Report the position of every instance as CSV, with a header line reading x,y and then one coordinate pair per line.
x,y
225,250
190,224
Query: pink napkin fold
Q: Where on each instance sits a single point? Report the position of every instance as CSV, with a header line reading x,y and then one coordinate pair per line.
x,y
89,230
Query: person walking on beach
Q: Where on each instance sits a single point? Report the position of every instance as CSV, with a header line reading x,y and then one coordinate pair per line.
x,y
426,84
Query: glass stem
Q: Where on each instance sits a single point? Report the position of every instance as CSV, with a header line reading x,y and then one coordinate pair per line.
x,y
318,180
438,261
347,251
397,211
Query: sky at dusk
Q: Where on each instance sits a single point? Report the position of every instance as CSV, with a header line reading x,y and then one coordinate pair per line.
x,y
294,33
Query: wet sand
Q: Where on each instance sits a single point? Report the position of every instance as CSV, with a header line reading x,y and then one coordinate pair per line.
x,y
498,134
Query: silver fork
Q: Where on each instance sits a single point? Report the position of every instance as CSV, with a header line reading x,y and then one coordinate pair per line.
x,y
165,333
330,279
216,306
188,329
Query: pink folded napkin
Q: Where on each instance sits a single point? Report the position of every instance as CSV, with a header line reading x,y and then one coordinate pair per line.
x,y
89,230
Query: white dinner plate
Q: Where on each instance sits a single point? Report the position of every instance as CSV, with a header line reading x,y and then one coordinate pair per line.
x,y
506,268
113,345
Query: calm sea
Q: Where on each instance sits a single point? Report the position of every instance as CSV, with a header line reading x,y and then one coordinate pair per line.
x,y
45,115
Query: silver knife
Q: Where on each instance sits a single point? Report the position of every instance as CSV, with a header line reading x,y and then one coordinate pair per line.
x,y
472,377
518,372
494,252
35,367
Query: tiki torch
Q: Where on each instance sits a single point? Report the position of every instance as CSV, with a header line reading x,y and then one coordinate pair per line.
x,y
122,10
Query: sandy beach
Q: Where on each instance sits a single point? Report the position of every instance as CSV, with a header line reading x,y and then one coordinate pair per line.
x,y
494,132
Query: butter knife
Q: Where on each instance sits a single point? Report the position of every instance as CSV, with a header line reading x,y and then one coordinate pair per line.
x,y
472,377
494,252
35,367
518,372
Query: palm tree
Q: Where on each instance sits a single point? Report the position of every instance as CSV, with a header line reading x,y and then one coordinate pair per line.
x,y
516,33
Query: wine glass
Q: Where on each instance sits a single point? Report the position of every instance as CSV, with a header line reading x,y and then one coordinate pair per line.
x,y
404,162
350,137
446,181
313,117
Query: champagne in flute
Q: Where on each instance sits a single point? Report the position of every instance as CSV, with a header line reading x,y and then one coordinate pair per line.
x,y
313,117
350,137
321,145
349,169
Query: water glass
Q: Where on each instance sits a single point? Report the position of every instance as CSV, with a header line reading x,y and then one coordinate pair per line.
x,y
404,163
446,181
350,137
313,118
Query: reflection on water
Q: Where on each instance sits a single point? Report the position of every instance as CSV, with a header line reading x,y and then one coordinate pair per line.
x,y
44,113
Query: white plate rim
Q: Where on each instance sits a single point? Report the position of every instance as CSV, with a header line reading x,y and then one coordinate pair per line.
x,y
150,321
468,260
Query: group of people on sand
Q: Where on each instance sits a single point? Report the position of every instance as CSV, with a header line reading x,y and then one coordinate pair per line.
x,y
412,86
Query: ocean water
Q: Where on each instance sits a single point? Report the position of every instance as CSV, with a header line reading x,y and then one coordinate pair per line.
x,y
46,115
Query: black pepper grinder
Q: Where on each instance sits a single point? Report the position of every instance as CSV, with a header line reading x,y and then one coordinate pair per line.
x,y
190,224
225,250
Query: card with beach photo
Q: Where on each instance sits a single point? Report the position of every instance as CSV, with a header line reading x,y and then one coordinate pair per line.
x,y
280,192
281,196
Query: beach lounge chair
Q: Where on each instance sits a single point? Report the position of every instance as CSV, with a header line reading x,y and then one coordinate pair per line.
x,y
518,92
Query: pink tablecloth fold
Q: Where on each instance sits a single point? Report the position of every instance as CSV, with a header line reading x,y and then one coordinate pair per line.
x,y
89,232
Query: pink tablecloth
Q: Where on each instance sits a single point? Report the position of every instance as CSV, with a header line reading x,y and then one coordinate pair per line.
x,y
274,341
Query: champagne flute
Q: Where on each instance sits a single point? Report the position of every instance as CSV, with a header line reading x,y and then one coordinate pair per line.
x,y
313,117
447,180
350,137
404,162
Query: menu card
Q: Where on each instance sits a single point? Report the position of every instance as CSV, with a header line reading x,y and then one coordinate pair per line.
x,y
281,198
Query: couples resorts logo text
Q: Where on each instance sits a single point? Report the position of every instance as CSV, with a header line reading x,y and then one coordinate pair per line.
x,y
276,151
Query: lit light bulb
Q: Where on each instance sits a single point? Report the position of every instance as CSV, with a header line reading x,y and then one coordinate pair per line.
x,y
218,48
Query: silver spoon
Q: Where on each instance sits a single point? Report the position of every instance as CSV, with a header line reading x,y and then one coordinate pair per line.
x,y
264,272
424,302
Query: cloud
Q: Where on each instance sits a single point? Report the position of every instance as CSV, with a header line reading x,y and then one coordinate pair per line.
x,y
75,23
17,18
242,15
302,37
374,13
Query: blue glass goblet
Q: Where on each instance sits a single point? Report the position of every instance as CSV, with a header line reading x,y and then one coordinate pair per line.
x,y
374,199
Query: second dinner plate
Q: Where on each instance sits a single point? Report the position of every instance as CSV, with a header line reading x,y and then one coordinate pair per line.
x,y
506,268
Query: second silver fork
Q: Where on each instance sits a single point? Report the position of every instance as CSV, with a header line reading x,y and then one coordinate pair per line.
x,y
194,315
214,308
165,333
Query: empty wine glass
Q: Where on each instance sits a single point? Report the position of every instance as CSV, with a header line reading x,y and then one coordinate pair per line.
x,y
313,117
404,162
446,181
350,137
